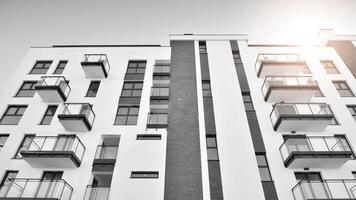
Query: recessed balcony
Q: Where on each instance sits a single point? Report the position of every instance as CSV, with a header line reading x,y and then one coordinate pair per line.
x,y
162,68
99,192
300,151
325,190
77,117
95,66
280,65
312,117
289,89
105,158
35,189
157,120
159,93
53,89
54,151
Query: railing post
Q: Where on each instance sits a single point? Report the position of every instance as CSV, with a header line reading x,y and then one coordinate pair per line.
x,y
326,144
310,144
328,188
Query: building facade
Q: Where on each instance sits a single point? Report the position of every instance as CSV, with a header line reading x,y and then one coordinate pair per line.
x,y
208,117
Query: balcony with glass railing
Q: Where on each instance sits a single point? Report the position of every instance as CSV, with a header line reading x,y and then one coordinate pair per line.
x,y
105,158
95,65
280,65
78,117
41,189
157,120
161,70
158,93
301,116
100,192
54,151
289,88
329,189
53,88
300,151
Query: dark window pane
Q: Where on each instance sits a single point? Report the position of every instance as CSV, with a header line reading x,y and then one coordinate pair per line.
x,y
265,175
13,115
41,67
211,142
93,89
27,89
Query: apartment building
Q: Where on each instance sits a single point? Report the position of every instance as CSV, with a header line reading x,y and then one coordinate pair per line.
x,y
208,117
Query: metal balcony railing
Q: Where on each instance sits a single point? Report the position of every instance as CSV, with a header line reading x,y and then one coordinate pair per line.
x,y
58,81
19,188
287,81
314,144
162,92
325,189
106,152
97,58
79,109
161,69
277,58
157,120
97,192
57,144
299,110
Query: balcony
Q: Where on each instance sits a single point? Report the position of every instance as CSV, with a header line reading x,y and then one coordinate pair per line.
x,y
105,158
96,66
300,151
53,89
36,189
159,93
97,192
157,120
161,70
289,89
325,190
280,65
312,117
77,117
54,151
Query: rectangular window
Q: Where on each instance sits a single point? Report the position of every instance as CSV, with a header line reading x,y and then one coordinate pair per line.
x,y
7,182
48,116
126,115
148,137
202,47
60,67
3,138
247,101
236,56
132,89
27,89
354,174
263,167
212,147
329,67
144,174
206,88
343,89
352,109
93,89
136,67
25,145
41,67
13,114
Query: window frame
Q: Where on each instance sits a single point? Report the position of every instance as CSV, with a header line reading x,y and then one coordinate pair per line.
x,y
249,102
90,89
326,65
46,115
136,67
353,108
127,115
132,89
43,62
206,91
19,148
134,174
18,107
148,137
338,82
5,135
32,88
266,166
58,68
212,148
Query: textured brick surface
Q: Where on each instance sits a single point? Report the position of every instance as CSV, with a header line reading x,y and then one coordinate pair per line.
x,y
183,179
347,52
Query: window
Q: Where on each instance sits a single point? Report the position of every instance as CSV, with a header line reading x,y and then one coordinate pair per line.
x,y
48,116
41,67
127,115
352,109
93,89
3,138
206,88
343,89
136,67
160,91
27,89
148,137
161,69
236,56
354,174
263,167
144,174
25,145
13,114
7,181
329,67
246,97
212,147
132,89
202,47
60,67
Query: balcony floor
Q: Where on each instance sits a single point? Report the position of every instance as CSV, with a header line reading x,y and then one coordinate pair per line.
x,y
51,158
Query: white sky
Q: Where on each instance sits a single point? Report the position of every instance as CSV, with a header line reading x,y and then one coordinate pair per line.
x,y
29,23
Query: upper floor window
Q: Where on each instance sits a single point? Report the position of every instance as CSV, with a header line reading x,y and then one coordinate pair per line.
x,y
202,47
212,147
41,67
93,89
246,97
27,89
236,56
352,109
3,138
132,89
144,174
60,67
127,115
49,114
136,67
329,67
13,114
25,145
206,88
343,89
263,167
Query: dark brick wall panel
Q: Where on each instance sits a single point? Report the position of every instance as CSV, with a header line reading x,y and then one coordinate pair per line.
x,y
347,52
183,179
